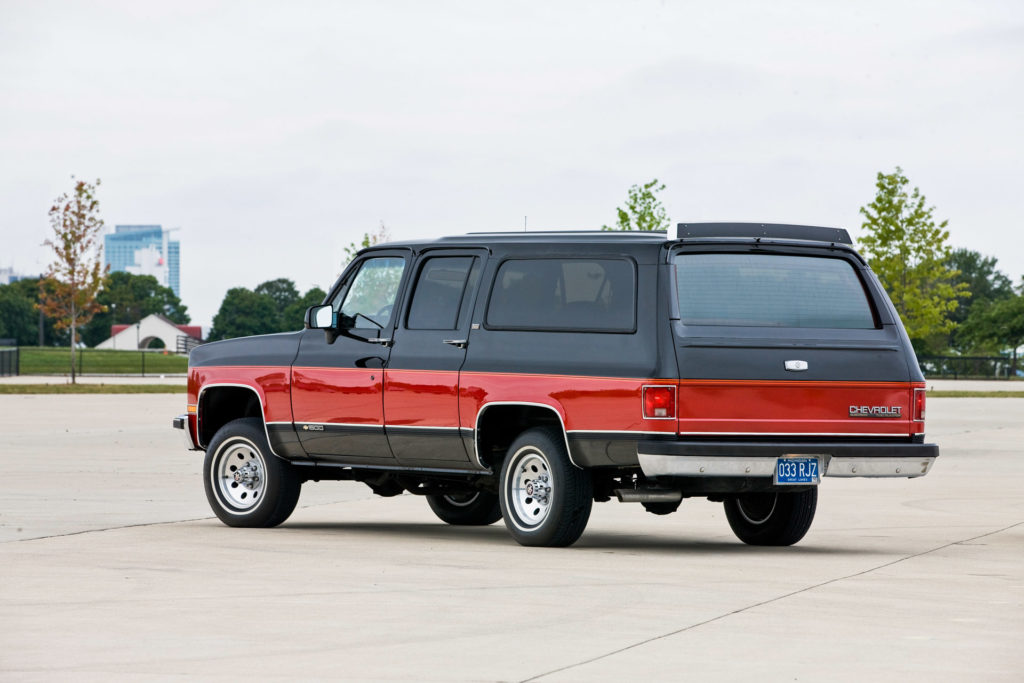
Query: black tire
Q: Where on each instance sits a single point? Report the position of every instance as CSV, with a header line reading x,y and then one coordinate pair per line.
x,y
478,508
772,518
246,484
558,516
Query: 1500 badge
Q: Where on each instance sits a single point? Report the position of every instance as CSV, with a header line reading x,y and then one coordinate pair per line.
x,y
875,411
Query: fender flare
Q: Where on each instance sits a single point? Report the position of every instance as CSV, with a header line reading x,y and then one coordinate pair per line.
x,y
547,406
215,385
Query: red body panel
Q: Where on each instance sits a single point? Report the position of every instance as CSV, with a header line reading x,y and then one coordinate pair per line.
x,y
429,399
421,398
584,403
269,382
740,407
338,395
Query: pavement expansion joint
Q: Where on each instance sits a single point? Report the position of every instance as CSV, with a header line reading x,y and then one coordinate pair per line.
x,y
720,617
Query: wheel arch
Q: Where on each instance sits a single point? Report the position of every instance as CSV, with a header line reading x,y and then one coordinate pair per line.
x,y
220,403
498,423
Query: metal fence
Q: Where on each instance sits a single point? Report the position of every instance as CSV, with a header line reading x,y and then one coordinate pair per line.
x,y
967,367
10,357
186,344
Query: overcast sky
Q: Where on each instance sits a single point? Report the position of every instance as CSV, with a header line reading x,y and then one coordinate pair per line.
x,y
273,135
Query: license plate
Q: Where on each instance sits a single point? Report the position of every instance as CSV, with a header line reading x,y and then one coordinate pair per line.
x,y
796,471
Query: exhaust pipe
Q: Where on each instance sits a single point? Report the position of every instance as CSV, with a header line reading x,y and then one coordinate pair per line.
x,y
648,495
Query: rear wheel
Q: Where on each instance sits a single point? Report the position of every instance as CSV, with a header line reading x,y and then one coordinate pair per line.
x,y
246,484
545,499
475,508
772,518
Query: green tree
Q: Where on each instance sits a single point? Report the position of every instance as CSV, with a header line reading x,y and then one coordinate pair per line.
x,y
369,239
908,252
27,289
643,209
985,283
243,313
129,298
69,288
282,291
274,306
295,312
17,316
998,325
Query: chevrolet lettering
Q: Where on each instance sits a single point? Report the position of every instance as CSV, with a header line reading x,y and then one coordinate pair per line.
x,y
876,411
524,377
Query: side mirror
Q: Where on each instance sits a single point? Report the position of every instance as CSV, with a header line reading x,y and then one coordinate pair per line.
x,y
321,317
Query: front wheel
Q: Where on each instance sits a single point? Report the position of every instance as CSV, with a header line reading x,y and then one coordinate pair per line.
x,y
476,508
246,484
545,499
772,518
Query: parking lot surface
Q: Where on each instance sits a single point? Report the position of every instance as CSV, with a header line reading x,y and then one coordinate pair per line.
x,y
111,566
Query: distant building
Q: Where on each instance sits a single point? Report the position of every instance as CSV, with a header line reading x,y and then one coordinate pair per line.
x,y
178,338
7,276
144,250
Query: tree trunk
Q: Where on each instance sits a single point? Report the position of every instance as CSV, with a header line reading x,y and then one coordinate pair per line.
x,y
72,341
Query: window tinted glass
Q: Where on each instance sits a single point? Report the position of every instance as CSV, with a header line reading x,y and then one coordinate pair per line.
x,y
438,294
564,294
372,295
769,290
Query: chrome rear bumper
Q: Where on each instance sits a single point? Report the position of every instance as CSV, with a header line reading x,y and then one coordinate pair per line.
x,y
762,466
758,459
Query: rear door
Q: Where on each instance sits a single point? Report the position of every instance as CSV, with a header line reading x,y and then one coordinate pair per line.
x,y
787,341
421,381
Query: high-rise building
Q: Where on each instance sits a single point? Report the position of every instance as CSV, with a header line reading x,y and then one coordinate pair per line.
x,y
8,276
144,250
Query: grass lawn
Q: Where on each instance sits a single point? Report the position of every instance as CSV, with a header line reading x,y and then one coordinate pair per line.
x,y
92,389
42,360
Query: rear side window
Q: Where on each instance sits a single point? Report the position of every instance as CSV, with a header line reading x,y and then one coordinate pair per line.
x,y
564,295
771,290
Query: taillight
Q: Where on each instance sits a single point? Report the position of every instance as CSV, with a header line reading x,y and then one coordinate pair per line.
x,y
659,402
918,405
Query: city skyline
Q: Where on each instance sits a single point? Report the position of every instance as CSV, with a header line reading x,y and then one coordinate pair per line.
x,y
144,250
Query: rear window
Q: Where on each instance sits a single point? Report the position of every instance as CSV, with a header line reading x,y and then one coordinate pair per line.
x,y
564,294
770,290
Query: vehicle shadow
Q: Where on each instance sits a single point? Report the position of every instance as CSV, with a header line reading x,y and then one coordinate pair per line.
x,y
602,541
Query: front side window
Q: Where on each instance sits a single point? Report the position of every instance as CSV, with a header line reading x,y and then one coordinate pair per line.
x,y
371,298
564,295
770,290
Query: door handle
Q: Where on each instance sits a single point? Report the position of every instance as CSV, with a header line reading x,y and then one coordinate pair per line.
x,y
385,341
461,343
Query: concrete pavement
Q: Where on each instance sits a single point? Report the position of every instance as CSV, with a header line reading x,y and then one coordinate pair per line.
x,y
111,567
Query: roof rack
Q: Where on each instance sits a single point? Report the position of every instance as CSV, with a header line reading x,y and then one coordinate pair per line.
x,y
626,234
766,230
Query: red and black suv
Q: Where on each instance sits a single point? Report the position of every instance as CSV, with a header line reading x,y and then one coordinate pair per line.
x,y
523,376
